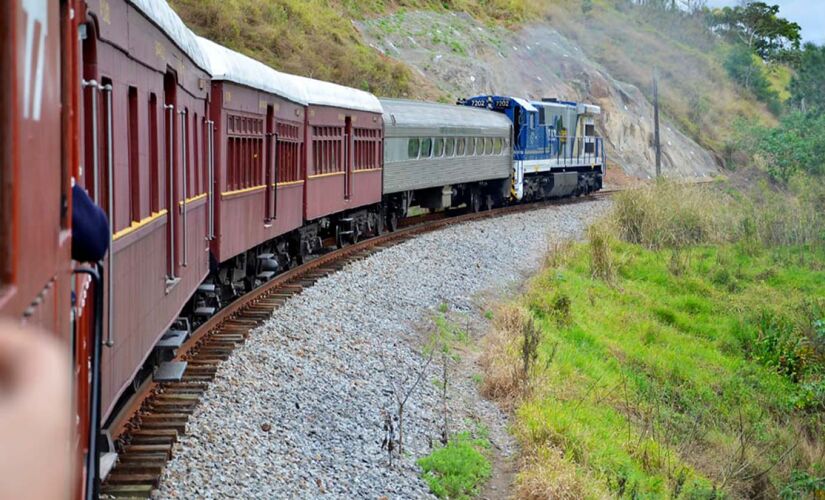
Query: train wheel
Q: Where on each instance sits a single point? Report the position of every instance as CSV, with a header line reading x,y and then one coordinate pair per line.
x,y
339,239
392,221
488,202
475,201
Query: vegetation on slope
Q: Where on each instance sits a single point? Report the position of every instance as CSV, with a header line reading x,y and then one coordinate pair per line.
x,y
679,353
629,40
316,38
457,470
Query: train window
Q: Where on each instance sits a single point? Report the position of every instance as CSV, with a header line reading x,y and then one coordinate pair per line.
x,y
134,155
479,146
471,146
154,165
426,147
590,130
459,146
497,146
413,148
449,150
438,150
196,154
488,146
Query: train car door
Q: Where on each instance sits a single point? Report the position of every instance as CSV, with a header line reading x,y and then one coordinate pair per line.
x,y
348,157
171,154
271,162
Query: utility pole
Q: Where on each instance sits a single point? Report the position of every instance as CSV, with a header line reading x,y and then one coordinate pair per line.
x,y
656,139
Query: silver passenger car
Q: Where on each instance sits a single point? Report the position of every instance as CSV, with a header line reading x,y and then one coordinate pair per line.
x,y
439,155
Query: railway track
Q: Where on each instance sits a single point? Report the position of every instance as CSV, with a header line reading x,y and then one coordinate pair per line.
x,y
148,428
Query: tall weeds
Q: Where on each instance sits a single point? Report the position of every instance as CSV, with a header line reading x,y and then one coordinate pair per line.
x,y
668,215
671,215
510,352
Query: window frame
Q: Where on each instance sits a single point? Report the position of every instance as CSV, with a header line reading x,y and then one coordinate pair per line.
x,y
429,142
133,152
410,142
438,147
449,147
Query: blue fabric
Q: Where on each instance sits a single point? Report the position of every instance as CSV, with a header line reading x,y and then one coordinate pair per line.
x,y
90,228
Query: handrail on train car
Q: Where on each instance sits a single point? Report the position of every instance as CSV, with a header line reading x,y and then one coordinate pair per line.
x,y
110,172
95,87
170,146
210,133
93,457
184,140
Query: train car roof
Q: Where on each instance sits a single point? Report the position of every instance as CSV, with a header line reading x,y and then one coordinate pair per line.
x,y
228,65
160,13
321,93
581,108
403,113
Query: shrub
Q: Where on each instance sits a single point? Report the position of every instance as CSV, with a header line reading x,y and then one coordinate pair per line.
x,y
602,262
670,215
509,352
458,469
545,473
780,345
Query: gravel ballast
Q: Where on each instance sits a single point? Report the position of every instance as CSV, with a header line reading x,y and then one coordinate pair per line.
x,y
296,412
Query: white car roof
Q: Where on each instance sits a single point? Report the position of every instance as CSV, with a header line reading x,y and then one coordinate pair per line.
x,y
226,64
160,13
323,93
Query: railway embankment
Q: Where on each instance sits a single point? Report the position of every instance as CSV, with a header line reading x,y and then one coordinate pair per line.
x,y
303,407
679,352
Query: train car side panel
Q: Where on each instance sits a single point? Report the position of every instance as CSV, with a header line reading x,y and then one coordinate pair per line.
x,y
331,185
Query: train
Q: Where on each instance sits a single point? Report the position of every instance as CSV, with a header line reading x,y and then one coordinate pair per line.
x,y
217,173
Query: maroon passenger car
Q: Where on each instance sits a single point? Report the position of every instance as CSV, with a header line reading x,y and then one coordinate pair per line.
x,y
144,136
259,128
344,161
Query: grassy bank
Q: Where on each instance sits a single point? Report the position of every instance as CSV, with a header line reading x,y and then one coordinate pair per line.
x,y
679,353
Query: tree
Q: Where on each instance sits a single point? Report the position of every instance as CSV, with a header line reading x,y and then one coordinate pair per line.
x,y
808,85
797,144
758,26
747,70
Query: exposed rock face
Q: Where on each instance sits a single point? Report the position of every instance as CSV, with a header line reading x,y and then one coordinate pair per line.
x,y
465,58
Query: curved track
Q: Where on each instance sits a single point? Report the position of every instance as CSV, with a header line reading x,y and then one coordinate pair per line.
x,y
148,427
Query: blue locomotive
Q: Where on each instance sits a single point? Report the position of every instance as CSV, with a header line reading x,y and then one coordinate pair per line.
x,y
556,151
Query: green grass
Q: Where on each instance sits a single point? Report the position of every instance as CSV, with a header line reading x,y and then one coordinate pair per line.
x,y
457,470
682,385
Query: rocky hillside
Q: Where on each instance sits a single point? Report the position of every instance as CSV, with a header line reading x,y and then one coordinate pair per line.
x,y
464,57
544,48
